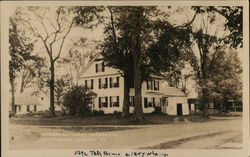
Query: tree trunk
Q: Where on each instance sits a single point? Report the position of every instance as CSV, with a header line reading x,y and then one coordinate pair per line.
x,y
13,109
138,96
52,89
137,84
125,108
205,102
22,87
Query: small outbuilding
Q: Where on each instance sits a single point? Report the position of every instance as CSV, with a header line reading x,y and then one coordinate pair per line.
x,y
26,103
175,102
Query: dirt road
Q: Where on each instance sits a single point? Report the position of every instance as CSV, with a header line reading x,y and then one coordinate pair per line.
x,y
213,134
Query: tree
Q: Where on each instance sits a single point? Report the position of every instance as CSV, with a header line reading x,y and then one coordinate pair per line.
x,y
78,99
52,32
29,72
226,78
209,45
19,53
122,48
61,87
139,43
234,22
117,54
74,61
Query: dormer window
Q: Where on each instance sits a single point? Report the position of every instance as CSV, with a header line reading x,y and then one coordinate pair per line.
x,y
99,67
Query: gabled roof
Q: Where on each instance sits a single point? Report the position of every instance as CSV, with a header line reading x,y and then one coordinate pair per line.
x,y
89,63
173,91
27,99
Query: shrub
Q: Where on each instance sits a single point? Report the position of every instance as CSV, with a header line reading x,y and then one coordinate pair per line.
x,y
77,100
117,113
97,113
157,110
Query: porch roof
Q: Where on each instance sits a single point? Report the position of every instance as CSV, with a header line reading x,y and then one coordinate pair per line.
x,y
168,92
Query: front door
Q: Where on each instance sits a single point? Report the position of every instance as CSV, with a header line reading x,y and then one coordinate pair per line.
x,y
164,105
179,110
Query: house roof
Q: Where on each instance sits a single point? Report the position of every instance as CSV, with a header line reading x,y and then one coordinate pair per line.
x,y
27,99
89,63
168,92
172,91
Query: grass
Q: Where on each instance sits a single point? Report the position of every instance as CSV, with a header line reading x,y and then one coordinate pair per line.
x,y
109,119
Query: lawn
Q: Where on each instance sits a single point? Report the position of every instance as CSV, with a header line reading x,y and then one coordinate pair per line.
x,y
110,119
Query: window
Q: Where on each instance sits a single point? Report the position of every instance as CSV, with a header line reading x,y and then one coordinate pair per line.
x,y
89,84
103,102
156,85
99,67
145,102
35,108
158,102
19,108
149,102
150,85
28,108
114,101
114,82
103,83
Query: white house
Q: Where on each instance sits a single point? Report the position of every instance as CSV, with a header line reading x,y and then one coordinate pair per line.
x,y
108,84
28,103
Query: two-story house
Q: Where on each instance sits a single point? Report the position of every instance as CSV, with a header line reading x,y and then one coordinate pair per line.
x,y
108,84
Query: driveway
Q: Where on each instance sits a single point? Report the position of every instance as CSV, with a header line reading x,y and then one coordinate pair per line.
x,y
210,134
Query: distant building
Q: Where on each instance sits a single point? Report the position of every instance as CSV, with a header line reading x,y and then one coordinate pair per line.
x,y
108,84
28,103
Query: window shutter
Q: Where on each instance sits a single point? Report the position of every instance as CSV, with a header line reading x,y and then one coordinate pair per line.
x,y
110,101
86,83
158,82
145,102
110,82
153,102
100,83
147,84
96,68
102,66
92,84
118,101
106,82
118,84
100,102
106,101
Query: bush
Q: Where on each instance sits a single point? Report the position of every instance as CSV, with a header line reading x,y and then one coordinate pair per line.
x,y
97,113
117,113
77,100
157,110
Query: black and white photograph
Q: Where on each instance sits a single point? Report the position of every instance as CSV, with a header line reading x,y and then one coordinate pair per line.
x,y
107,78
